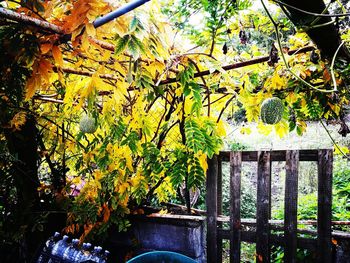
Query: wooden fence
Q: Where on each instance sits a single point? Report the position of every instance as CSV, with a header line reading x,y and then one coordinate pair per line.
x,y
216,233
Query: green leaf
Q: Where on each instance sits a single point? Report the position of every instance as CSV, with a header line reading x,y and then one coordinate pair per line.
x,y
179,168
196,175
133,48
121,43
194,136
139,44
133,24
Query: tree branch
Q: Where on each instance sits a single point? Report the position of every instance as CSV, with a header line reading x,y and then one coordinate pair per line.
x,y
9,14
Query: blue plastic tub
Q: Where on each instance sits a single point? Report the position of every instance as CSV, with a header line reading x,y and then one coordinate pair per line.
x,y
161,257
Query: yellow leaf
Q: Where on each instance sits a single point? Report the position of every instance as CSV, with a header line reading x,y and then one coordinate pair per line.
x,y
18,120
90,29
203,161
220,128
282,128
122,188
163,212
245,130
291,98
340,150
264,129
278,82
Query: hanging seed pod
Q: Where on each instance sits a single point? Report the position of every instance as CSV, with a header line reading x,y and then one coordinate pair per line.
x,y
271,110
87,124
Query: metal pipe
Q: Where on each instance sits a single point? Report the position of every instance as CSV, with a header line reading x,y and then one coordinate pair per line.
x,y
117,13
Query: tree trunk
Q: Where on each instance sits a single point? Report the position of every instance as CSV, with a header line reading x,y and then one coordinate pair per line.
x,y
22,145
327,37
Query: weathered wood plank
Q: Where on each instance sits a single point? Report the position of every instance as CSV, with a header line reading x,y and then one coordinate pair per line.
x,y
263,207
219,204
324,211
235,206
291,206
252,156
252,222
212,209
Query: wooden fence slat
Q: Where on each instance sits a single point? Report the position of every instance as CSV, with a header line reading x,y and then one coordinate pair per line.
x,y
212,209
291,206
219,204
263,207
235,206
324,211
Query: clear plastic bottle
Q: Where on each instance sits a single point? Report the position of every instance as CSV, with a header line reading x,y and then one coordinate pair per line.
x,y
104,257
47,249
96,254
84,254
71,251
59,248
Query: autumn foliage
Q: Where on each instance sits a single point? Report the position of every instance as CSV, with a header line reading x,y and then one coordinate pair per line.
x,y
156,122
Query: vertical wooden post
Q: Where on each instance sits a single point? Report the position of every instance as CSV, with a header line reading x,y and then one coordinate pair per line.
x,y
291,206
212,209
235,206
219,205
263,207
324,211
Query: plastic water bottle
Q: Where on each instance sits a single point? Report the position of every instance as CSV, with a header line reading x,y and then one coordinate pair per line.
x,y
71,251
104,256
60,247
46,252
96,254
84,254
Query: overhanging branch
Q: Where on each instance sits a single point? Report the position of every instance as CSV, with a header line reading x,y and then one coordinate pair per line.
x,y
11,15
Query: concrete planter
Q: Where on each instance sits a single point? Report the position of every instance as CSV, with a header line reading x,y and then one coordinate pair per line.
x,y
177,233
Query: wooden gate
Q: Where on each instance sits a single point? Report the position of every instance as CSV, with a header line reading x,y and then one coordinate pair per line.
x,y
262,236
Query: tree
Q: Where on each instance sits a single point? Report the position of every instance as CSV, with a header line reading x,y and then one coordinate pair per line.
x,y
126,121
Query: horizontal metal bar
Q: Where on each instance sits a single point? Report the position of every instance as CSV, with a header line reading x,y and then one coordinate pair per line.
x,y
117,13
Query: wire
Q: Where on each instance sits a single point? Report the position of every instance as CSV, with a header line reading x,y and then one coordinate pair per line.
x,y
311,13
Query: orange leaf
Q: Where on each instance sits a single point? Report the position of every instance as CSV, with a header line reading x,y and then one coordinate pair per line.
x,y
334,242
45,68
57,55
46,47
32,84
106,213
326,75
